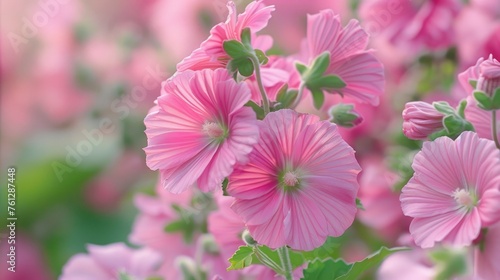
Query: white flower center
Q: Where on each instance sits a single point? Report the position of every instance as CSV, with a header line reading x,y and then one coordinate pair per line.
x,y
465,198
213,130
290,179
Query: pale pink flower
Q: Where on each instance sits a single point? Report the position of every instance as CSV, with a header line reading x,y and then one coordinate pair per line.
x,y
211,53
480,119
411,24
487,256
489,6
299,185
421,119
149,229
357,67
199,130
414,265
455,190
109,261
382,208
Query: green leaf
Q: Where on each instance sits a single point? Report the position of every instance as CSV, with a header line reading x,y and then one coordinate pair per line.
x,y
257,109
224,185
344,115
359,205
358,268
245,67
246,38
301,68
319,66
241,258
263,59
444,108
175,226
325,269
473,83
449,263
235,49
318,98
327,250
124,276
327,82
495,100
483,100
285,97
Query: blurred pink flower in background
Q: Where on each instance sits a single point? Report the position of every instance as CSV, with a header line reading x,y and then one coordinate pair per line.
x,y
412,24
28,258
300,182
487,255
199,130
149,228
111,261
288,25
414,265
454,190
382,208
421,120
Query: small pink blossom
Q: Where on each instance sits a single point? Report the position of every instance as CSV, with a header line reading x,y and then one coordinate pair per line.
x,y
455,190
199,130
421,119
357,67
109,261
211,53
299,185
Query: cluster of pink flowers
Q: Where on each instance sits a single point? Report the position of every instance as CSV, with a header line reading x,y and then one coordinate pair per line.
x,y
282,151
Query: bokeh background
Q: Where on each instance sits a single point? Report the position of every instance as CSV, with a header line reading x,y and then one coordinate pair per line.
x,y
78,77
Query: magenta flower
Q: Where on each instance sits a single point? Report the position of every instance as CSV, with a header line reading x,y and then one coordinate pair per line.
x,y
421,119
299,185
357,67
199,130
480,119
455,190
111,261
211,53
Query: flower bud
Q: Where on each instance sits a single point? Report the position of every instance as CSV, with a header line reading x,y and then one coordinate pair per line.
x,y
248,238
345,115
489,77
421,120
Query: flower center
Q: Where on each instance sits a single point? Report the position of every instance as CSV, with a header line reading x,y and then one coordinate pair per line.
x,y
213,130
290,179
465,198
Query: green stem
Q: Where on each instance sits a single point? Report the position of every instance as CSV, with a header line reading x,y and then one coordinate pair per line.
x,y
258,77
263,258
285,261
494,128
299,95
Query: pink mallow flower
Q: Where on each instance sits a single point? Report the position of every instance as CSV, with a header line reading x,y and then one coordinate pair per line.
x,y
481,119
421,119
199,130
111,261
455,190
299,185
211,53
357,67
